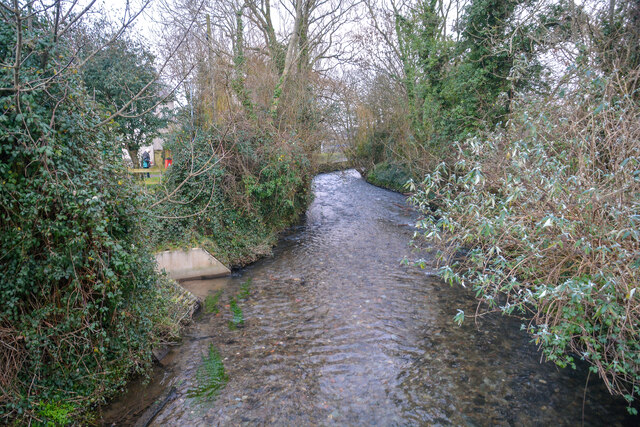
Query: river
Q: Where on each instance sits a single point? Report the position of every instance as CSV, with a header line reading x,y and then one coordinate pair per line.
x,y
337,332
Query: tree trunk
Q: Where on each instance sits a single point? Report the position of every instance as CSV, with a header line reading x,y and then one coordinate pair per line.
x,y
134,158
289,59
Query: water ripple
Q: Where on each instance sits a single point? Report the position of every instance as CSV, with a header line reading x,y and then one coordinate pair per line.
x,y
338,333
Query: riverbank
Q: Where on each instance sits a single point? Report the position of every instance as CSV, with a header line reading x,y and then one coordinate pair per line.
x,y
386,352
387,175
239,235
241,241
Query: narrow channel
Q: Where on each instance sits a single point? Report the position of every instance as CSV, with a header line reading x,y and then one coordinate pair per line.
x,y
337,332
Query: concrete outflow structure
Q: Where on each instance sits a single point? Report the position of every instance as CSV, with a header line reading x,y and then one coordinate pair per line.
x,y
190,264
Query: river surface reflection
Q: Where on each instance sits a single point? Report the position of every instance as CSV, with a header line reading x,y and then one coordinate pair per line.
x,y
337,332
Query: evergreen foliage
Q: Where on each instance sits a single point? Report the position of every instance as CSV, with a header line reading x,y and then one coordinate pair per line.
x,y
114,76
78,290
456,85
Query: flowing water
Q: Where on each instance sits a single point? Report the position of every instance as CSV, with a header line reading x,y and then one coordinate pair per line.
x,y
337,332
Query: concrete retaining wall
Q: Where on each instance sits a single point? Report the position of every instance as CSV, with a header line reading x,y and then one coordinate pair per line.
x,y
190,264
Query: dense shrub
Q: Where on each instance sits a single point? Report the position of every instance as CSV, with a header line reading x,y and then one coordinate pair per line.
x,y
371,148
77,287
230,191
547,213
388,175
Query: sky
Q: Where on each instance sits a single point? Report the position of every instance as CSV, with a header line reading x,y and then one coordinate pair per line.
x,y
144,24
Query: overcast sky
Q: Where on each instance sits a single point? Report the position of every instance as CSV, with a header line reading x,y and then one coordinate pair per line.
x,y
144,24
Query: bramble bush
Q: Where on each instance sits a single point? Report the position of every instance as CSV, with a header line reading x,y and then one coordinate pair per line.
x,y
546,212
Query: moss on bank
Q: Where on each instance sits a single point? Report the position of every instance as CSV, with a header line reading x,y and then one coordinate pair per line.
x,y
391,176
